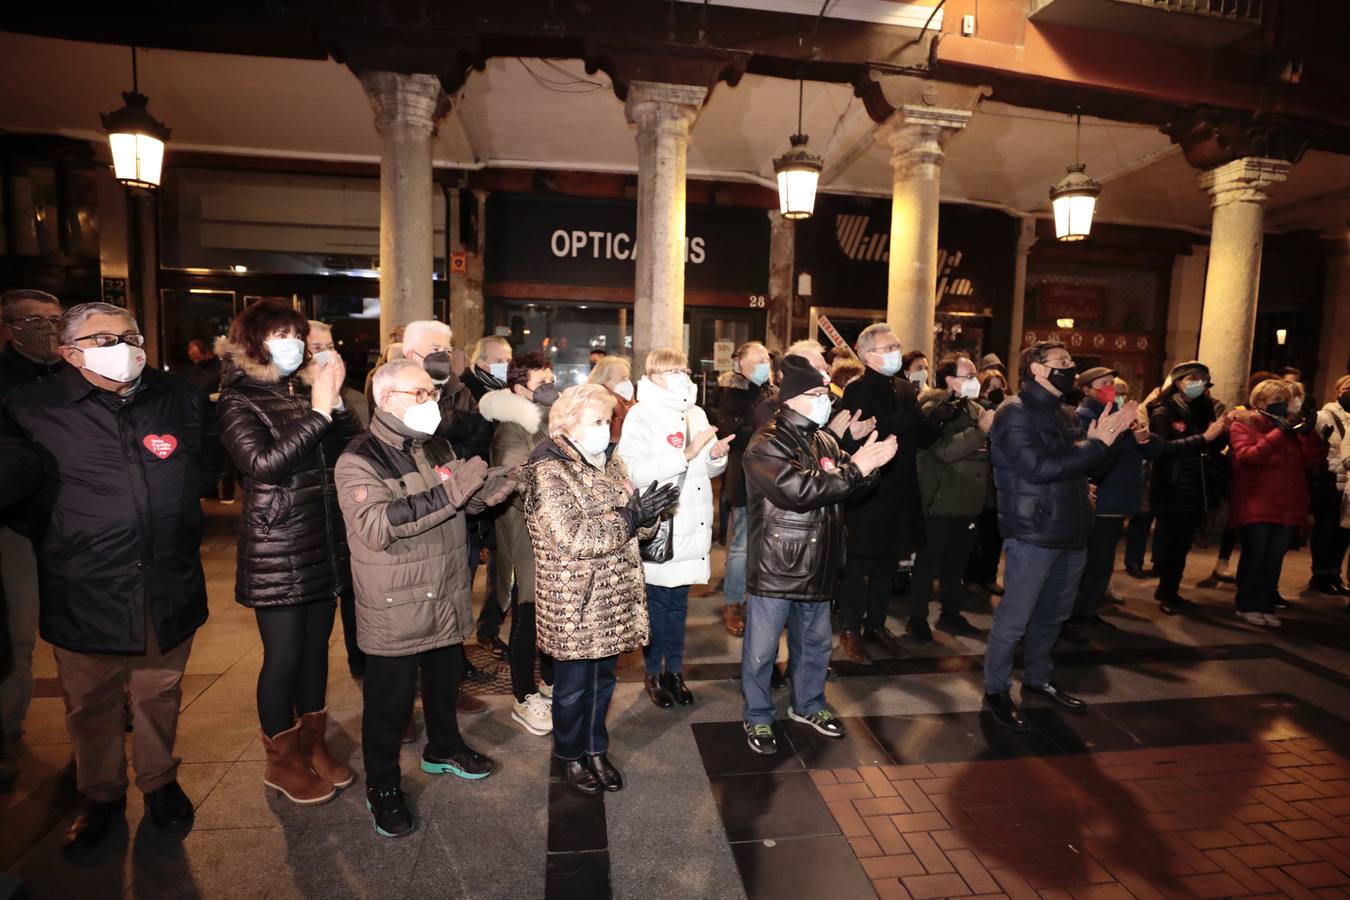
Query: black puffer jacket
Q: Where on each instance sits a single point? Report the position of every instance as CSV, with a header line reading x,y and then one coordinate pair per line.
x,y
1041,466
292,541
796,481
737,406
1184,479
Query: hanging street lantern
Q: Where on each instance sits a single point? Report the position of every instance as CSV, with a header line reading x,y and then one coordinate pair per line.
x,y
1074,197
798,171
137,138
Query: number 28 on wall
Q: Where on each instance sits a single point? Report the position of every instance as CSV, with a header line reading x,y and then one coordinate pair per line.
x,y
758,301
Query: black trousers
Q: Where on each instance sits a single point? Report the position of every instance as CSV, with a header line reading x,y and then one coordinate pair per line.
x,y
523,652
983,566
1329,540
294,675
1258,574
944,556
389,689
865,592
356,659
1136,539
482,534
1171,546
1100,563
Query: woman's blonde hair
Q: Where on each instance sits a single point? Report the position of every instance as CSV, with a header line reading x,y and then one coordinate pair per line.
x,y
664,358
481,347
571,404
1272,390
1342,385
609,369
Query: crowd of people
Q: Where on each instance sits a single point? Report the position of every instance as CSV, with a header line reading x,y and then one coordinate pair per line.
x,y
831,482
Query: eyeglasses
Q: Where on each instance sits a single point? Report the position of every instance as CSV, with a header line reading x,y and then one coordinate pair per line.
x,y
675,372
422,395
886,348
52,322
319,348
108,339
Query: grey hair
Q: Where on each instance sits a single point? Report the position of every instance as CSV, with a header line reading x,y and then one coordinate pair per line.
x,y
797,347
11,299
387,374
72,322
413,331
868,338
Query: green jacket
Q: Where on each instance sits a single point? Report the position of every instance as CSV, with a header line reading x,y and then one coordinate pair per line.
x,y
518,427
954,474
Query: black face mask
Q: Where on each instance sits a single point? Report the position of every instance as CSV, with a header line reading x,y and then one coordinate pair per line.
x,y
995,396
546,394
1278,410
437,365
1063,380
1344,400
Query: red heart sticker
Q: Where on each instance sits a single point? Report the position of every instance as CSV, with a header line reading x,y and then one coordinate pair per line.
x,y
1178,426
676,440
443,472
162,445
826,464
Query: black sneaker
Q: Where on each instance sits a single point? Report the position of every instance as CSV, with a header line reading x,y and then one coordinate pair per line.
x,y
919,631
1005,712
390,811
957,626
467,764
761,739
825,722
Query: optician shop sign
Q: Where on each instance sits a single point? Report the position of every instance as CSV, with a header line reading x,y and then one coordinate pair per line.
x,y
546,238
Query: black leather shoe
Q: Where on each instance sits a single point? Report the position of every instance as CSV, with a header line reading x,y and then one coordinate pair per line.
x,y
957,625
169,807
919,631
885,639
91,825
674,683
1056,696
1005,712
604,770
1137,572
1072,631
578,775
656,689
494,645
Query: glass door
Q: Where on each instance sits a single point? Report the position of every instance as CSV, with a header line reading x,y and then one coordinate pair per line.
x,y
193,314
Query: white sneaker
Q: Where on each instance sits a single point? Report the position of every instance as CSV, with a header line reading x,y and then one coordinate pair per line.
x,y
1272,620
534,714
1253,618
546,691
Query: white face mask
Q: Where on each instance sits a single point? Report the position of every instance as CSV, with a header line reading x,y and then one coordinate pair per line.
x,y
970,389
1295,406
624,389
594,439
820,409
919,377
678,384
287,353
423,417
321,358
498,370
890,363
120,362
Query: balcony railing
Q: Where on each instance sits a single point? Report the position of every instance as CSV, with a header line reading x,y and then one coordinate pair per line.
x,y
1233,10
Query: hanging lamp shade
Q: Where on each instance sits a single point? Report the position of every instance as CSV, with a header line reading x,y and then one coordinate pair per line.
x,y
798,172
1074,198
136,137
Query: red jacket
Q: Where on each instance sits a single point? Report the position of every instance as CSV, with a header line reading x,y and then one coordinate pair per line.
x,y
1270,471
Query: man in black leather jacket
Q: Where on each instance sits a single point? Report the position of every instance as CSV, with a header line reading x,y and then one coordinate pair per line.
x,y
1042,461
797,480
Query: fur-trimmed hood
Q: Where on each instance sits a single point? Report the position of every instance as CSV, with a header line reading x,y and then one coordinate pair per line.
x,y
236,364
505,405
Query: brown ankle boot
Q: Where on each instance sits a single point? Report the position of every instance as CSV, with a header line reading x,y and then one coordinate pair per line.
x,y
286,770
314,750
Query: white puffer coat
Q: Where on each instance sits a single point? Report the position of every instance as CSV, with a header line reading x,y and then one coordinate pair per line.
x,y
1333,423
655,434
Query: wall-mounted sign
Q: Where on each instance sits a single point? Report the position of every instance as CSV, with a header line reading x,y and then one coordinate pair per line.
x,y
552,239
115,291
1083,303
722,351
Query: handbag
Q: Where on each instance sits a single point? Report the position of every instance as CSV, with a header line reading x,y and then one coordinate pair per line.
x,y
660,547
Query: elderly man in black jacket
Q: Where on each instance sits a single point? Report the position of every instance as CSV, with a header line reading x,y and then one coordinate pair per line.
x,y
1042,461
887,524
797,480
117,527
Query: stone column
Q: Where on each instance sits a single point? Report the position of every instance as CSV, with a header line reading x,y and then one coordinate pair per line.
x,y
1026,238
663,114
1333,352
1185,306
782,259
1239,192
407,108
915,135
466,290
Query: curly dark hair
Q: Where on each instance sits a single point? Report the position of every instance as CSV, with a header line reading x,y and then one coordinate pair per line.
x,y
518,371
251,327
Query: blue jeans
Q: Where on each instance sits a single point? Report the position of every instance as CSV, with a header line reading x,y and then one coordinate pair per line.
x,y
1040,585
733,584
582,689
808,626
667,607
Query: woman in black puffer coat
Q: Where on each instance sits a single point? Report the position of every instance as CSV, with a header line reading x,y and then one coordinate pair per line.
x,y
283,426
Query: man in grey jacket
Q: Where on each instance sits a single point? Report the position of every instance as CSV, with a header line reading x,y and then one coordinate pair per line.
x,y
404,496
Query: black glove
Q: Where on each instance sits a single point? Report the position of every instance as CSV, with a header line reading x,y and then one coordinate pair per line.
x,y
645,506
948,409
1280,422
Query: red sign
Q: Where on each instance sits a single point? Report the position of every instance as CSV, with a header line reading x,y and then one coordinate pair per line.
x,y
1065,300
831,332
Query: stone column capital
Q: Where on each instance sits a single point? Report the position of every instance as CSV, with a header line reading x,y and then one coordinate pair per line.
x,y
916,134
655,106
1245,180
415,100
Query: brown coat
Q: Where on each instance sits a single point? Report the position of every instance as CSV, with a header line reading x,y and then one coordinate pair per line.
x,y
590,598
